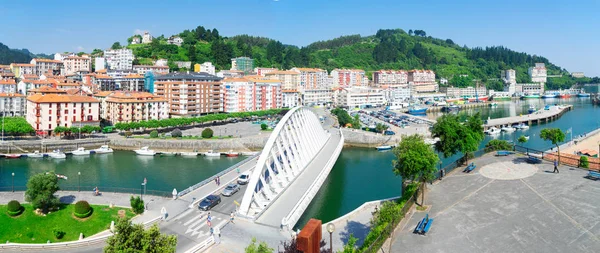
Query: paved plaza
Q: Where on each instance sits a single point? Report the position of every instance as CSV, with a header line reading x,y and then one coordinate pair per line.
x,y
508,205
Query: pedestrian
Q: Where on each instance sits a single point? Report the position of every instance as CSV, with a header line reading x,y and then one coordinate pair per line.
x,y
231,218
216,181
238,170
212,231
555,166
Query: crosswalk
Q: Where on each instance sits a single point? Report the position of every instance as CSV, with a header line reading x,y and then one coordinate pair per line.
x,y
196,225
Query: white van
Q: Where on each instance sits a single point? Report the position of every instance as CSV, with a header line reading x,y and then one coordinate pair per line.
x,y
244,178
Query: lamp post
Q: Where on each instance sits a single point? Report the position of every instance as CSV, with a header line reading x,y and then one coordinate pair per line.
x,y
141,191
13,182
330,229
79,181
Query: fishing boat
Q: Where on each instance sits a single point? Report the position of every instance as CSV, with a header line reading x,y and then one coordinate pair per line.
x,y
452,100
493,131
189,154
251,153
528,96
480,99
166,153
230,153
383,148
12,156
526,137
531,109
35,154
549,95
211,153
508,129
145,151
416,110
104,149
583,94
57,154
564,95
80,151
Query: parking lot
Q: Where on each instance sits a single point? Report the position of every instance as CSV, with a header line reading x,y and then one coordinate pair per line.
x,y
398,124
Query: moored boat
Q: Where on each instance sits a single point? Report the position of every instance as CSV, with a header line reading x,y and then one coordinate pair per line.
x,y
80,151
493,131
62,176
104,149
57,154
211,153
189,154
145,151
480,99
251,153
416,110
583,95
383,148
35,154
12,156
522,126
166,153
533,95
230,153
508,129
549,95
531,109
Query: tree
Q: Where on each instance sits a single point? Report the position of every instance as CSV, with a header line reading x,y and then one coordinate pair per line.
x,y
522,139
137,204
410,32
207,133
554,135
134,238
458,137
498,145
583,162
41,189
415,160
264,126
116,45
176,133
262,247
380,128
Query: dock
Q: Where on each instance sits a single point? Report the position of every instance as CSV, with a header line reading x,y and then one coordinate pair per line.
x,y
538,117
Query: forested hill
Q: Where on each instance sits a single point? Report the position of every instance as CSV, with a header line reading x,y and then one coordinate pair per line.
x,y
8,56
388,49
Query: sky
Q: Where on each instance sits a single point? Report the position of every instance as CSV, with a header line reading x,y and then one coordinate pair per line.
x,y
565,32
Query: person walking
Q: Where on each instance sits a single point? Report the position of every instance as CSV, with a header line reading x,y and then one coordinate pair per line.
x,y
231,218
238,170
217,181
555,166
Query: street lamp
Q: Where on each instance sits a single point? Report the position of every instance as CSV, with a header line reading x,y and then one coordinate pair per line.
x,y
79,184
330,229
13,182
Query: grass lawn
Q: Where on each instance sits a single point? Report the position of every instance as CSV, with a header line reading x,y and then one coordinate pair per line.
x,y
31,228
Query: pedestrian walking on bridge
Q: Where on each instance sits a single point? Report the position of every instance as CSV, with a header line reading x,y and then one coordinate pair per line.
x,y
555,167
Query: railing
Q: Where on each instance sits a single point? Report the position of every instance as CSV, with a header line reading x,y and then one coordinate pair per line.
x,y
102,189
210,179
389,229
202,246
298,210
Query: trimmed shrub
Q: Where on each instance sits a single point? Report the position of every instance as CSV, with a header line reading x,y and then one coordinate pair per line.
x,y
128,134
176,133
583,162
59,234
207,133
14,208
263,126
82,209
137,204
154,134
494,145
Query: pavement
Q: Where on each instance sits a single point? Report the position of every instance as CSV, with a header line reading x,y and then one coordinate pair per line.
x,y
510,207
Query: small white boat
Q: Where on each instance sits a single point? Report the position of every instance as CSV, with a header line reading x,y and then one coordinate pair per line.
x,y
62,176
80,151
212,153
522,126
145,151
526,137
57,154
104,149
249,153
493,131
383,148
35,154
166,153
189,153
508,129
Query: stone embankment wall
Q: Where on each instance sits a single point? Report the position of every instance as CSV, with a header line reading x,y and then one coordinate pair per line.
x,y
359,138
254,143
24,146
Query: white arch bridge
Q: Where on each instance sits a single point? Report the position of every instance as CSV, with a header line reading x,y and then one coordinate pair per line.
x,y
293,165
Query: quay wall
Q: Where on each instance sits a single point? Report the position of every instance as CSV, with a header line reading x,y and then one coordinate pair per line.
x,y
359,138
254,143
24,146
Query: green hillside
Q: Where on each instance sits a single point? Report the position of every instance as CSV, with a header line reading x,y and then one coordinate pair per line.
x,y
8,56
388,49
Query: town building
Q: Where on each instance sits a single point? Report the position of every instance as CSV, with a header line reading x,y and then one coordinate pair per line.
x,y
189,93
244,64
247,94
46,112
136,40
175,40
5,69
99,63
157,70
146,38
311,78
360,97
267,94
20,69
529,88
128,106
577,74
509,76
206,67
317,96
454,92
348,78
264,71
230,74
161,62
8,86
390,78
290,98
397,94
77,64
130,82
25,85
44,66
183,64
119,58
44,90
538,73
12,104
289,79
422,81
62,56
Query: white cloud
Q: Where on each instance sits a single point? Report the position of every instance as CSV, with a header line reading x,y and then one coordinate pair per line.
x,y
80,48
139,32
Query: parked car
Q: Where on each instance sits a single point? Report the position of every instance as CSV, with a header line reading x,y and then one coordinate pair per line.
x,y
209,202
230,190
244,178
388,132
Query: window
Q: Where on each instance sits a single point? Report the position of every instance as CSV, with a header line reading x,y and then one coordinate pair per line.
x,y
66,111
73,111
49,126
50,112
74,118
66,118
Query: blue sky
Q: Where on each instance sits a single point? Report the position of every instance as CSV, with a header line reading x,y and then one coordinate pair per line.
x,y
563,31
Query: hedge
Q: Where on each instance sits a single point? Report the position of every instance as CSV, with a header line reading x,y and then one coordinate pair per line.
x,y
82,209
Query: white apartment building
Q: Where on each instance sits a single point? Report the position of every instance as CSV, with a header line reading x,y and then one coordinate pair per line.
x,y
538,74
157,70
8,86
207,67
453,92
99,63
161,62
43,66
264,71
119,58
146,38
289,98
397,94
530,88
317,96
509,76
422,81
74,64
360,97
62,56
390,78
21,69
25,85
289,79
348,78
246,95
175,40
46,112
12,104
577,74
311,78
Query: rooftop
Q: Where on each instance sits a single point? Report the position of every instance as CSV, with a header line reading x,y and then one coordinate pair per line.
x,y
188,76
55,98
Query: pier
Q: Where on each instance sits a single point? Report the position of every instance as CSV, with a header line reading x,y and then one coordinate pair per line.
x,y
540,116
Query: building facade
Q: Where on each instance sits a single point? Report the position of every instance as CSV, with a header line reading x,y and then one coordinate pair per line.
x,y
20,69
360,97
317,96
577,74
538,73
245,95
45,66
290,98
509,76
134,107
157,70
390,78
46,112
119,58
206,67
244,64
311,78
75,64
146,38
12,104
348,78
453,92
189,94
397,94
8,86
264,71
289,79
99,63
175,40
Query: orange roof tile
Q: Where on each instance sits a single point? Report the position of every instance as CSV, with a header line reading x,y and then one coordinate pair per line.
x,y
133,76
46,60
265,81
282,72
102,93
7,82
46,89
23,65
103,77
101,71
232,79
11,95
55,98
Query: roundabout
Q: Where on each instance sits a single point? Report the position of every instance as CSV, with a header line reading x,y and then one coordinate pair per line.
x,y
508,170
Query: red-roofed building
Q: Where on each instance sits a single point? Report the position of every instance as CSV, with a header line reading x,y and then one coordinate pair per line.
x,y
12,104
46,112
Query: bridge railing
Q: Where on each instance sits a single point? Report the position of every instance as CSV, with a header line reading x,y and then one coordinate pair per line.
x,y
210,179
296,212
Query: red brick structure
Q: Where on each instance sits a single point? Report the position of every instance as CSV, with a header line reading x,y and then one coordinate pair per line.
x,y
310,237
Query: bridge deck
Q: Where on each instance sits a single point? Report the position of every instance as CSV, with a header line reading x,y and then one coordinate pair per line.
x,y
288,199
537,116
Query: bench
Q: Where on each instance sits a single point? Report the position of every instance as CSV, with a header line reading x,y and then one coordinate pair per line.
x,y
593,175
533,159
424,225
503,153
427,226
469,168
